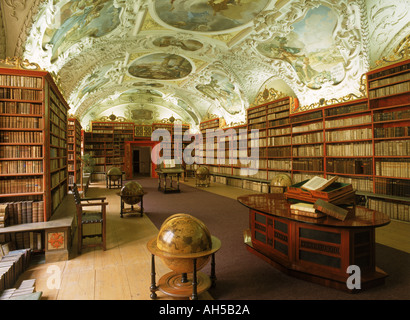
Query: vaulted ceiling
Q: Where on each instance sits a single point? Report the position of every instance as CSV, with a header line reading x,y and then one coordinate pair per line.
x,y
146,60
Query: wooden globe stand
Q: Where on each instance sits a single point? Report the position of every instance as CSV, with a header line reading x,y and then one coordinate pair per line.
x,y
183,285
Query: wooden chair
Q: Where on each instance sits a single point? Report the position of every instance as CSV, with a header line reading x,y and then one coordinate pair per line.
x,y
92,216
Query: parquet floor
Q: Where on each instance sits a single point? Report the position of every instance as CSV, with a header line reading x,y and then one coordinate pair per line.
x,y
122,272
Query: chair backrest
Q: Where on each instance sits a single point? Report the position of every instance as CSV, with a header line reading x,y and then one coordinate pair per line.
x,y
76,194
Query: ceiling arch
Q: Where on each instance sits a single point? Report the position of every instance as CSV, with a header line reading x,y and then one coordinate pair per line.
x,y
222,53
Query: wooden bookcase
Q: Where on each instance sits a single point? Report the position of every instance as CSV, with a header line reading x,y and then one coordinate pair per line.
x,y
105,142
210,162
33,144
365,142
389,102
74,152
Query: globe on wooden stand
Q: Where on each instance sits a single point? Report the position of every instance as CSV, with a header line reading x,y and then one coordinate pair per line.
x,y
279,183
202,177
131,194
114,178
185,245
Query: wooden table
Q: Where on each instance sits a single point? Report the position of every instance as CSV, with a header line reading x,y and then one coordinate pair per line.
x,y
164,174
318,250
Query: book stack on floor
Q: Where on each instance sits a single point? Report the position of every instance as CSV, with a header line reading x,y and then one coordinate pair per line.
x,y
26,291
12,264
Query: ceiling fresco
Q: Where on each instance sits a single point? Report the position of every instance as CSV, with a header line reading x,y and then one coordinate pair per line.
x,y
147,60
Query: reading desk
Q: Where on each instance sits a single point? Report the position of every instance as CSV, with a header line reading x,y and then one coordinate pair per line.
x,y
314,249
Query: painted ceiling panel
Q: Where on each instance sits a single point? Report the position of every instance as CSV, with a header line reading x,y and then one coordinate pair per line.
x,y
151,59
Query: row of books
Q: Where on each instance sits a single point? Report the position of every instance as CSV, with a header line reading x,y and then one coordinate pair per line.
x,y
346,109
361,149
21,137
20,81
352,166
392,148
390,90
20,94
307,164
13,107
21,122
22,166
362,183
351,134
394,187
306,117
12,264
309,127
389,80
347,122
21,185
315,150
399,168
316,137
21,212
387,72
392,132
278,115
395,210
21,152
393,115
279,131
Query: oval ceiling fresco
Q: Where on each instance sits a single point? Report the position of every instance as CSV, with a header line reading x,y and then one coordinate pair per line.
x,y
160,66
310,49
208,15
78,19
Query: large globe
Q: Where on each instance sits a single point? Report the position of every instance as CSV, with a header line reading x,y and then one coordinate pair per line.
x,y
131,192
202,173
114,173
281,180
181,238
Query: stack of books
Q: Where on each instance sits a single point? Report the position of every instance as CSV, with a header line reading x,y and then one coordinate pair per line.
x,y
320,188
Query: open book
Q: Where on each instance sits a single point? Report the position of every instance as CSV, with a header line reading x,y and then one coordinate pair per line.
x,y
318,183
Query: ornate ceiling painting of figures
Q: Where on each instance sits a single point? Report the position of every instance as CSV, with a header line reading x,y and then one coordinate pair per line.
x,y
208,15
310,49
78,19
161,66
169,41
220,89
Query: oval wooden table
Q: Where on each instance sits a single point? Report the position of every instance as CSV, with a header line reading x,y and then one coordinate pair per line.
x,y
314,249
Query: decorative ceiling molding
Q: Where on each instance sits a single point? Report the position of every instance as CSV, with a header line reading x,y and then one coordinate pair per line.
x,y
93,53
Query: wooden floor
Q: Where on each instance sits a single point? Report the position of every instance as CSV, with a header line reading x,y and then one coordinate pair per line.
x,y
122,272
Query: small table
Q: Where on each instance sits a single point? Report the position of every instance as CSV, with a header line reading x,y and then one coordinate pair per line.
x,y
314,249
167,174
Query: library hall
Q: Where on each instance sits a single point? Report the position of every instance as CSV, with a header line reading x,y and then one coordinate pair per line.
x,y
201,151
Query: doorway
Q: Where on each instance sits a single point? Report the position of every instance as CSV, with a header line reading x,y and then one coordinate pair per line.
x,y
141,161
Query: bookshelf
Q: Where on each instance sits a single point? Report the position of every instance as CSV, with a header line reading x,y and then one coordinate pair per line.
x,y
105,142
389,101
74,152
211,161
33,145
365,142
